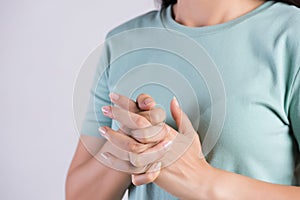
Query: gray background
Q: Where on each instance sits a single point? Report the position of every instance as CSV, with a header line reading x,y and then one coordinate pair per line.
x,y
42,45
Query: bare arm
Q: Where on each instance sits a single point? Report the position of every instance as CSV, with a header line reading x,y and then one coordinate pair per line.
x,y
233,186
192,178
89,179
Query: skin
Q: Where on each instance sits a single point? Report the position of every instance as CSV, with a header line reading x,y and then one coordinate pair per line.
x,y
197,13
89,179
191,177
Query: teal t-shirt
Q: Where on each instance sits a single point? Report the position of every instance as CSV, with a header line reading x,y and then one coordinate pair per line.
x,y
258,57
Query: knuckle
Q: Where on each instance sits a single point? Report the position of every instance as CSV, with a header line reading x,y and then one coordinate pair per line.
x,y
155,118
163,130
162,112
132,146
142,137
137,170
142,94
141,97
140,121
158,115
124,129
136,162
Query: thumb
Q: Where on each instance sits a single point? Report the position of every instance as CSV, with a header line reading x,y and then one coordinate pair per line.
x,y
183,123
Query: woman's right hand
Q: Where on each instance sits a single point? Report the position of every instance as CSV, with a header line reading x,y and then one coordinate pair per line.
x,y
87,177
143,136
145,114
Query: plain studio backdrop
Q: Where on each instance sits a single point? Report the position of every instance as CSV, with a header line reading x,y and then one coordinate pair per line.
x,y
43,44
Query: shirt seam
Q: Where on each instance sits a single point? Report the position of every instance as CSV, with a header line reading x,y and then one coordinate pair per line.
x,y
292,90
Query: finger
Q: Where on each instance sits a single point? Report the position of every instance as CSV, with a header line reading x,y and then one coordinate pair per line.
x,y
151,134
145,102
182,121
130,119
124,102
148,177
154,116
125,129
123,141
114,150
137,156
112,161
151,155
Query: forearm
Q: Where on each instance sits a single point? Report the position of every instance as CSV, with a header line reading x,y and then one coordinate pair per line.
x,y
205,182
93,180
226,185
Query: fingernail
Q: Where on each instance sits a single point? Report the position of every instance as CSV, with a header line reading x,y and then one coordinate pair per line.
x,y
105,155
114,96
147,101
168,144
106,110
103,132
176,102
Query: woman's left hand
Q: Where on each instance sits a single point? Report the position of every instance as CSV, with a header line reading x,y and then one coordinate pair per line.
x,y
179,177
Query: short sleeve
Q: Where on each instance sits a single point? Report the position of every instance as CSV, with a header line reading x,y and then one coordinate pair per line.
x,y
99,96
295,108
295,120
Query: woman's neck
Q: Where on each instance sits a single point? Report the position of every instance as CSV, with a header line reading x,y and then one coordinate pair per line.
x,y
197,13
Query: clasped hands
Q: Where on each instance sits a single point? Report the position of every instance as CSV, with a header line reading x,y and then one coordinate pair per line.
x,y
144,144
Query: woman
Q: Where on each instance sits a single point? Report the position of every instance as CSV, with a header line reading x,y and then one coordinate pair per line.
x,y
256,46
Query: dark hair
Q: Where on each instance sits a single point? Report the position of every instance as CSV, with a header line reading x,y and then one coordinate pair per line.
x,y
166,3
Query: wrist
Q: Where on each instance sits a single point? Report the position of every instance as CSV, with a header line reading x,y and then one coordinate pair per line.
x,y
206,181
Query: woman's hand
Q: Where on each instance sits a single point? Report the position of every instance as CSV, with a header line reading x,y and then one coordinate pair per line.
x,y
186,178
191,177
190,161
142,137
